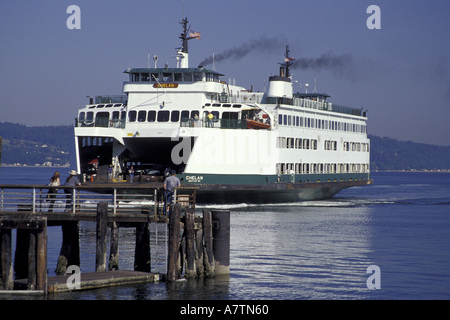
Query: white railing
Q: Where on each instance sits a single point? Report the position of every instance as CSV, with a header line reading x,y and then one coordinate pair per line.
x,y
36,199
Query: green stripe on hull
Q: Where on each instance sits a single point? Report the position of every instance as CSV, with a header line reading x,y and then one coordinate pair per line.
x,y
247,179
213,188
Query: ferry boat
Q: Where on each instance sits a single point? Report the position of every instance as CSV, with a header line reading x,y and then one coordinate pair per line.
x,y
233,144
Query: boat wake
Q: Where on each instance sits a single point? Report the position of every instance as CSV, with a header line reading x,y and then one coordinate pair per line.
x,y
330,203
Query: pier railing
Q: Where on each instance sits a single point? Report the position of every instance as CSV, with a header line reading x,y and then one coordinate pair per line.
x,y
120,199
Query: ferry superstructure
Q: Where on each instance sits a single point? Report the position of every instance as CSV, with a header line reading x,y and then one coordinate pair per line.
x,y
233,144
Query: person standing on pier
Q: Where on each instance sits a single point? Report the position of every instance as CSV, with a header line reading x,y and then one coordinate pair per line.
x,y
71,181
110,172
53,189
131,173
170,184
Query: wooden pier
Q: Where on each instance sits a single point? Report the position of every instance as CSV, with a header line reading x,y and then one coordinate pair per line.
x,y
190,243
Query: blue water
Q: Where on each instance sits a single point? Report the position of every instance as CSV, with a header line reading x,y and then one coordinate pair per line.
x,y
310,250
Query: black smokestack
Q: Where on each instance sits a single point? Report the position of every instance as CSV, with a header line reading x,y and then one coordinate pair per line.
x,y
262,44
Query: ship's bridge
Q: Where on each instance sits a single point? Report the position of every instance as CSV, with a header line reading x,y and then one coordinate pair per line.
x,y
171,77
151,88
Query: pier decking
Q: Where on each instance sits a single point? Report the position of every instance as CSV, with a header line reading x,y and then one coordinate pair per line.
x,y
30,210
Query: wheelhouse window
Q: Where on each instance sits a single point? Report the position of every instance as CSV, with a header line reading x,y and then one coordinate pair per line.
x,y
151,117
230,115
135,77
163,116
132,116
154,76
184,114
175,116
115,115
167,77
198,76
195,113
142,115
178,77
102,119
188,76
90,117
145,77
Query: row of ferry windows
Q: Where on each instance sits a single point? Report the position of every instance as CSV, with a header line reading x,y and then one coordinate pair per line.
x,y
299,143
142,115
173,77
320,168
297,121
166,115
356,146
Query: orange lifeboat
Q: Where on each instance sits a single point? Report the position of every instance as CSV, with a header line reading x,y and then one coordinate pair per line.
x,y
252,124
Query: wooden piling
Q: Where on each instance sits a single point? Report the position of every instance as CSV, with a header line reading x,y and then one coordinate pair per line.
x,y
70,248
181,260
189,234
199,247
174,243
31,260
221,243
6,259
208,256
102,227
114,248
41,258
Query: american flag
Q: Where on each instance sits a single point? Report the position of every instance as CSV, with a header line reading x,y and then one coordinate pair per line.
x,y
196,35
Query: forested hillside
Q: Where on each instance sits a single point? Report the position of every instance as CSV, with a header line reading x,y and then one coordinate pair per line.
x,y
52,144
392,154
48,145
58,136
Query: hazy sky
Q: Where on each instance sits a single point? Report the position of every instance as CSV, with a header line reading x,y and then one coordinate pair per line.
x,y
400,73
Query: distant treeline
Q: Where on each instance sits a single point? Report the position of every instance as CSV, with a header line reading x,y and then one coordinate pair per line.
x,y
391,154
58,136
36,145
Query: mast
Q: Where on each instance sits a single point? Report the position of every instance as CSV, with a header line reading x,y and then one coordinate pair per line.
x,y
286,66
184,36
